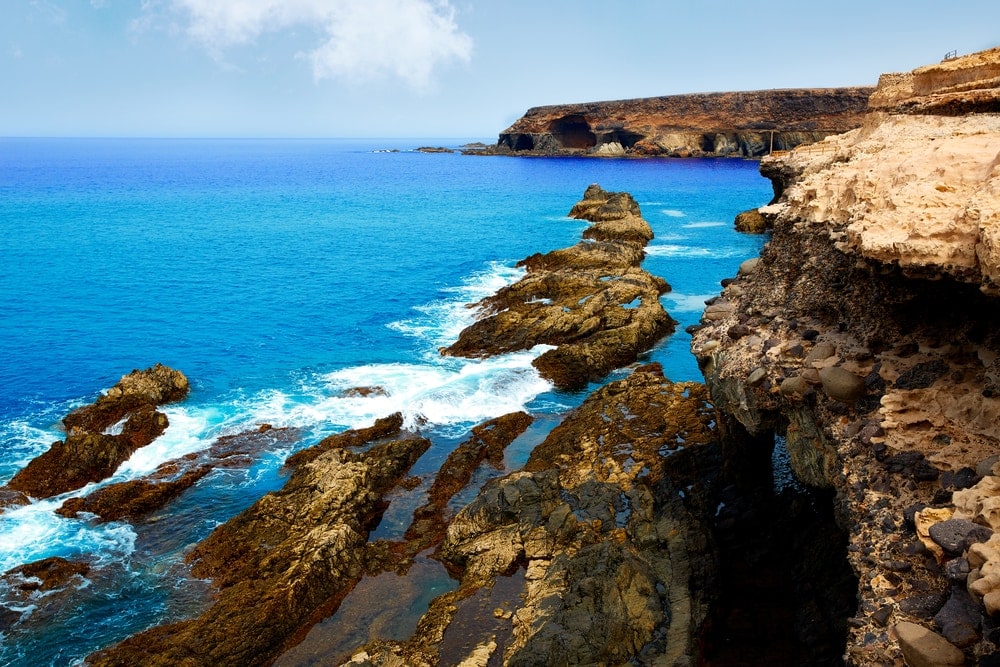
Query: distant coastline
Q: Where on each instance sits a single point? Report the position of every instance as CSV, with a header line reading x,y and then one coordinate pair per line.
x,y
747,124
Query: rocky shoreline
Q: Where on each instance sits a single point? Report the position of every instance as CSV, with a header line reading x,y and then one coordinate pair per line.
x,y
828,496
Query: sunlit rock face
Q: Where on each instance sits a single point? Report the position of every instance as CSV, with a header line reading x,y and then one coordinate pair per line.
x,y
741,124
866,334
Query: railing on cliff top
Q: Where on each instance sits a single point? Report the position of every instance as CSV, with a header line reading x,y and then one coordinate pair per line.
x,y
951,55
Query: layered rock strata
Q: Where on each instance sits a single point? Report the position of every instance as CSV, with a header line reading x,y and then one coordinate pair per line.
x,y
866,335
90,452
591,300
595,553
739,124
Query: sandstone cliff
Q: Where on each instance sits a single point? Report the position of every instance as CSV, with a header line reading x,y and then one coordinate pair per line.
x,y
866,335
741,124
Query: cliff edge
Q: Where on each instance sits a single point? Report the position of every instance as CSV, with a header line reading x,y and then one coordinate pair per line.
x,y
866,336
736,124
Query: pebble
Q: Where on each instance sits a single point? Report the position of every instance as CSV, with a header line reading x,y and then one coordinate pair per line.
x,y
794,385
922,606
985,467
820,352
756,375
957,570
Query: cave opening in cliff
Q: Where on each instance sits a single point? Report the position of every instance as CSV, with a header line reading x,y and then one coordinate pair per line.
x,y
626,138
524,142
573,131
786,589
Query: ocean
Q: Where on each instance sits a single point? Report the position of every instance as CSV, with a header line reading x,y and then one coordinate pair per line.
x,y
276,274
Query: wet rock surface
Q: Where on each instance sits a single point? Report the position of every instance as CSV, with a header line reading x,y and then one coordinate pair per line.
x,y
591,300
281,564
135,498
601,536
89,453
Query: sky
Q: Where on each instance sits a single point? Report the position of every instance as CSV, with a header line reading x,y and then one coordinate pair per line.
x,y
433,68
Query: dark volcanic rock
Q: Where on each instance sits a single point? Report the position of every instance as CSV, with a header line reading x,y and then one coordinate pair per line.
x,y
957,535
86,457
152,386
292,554
385,427
88,454
591,300
135,498
128,500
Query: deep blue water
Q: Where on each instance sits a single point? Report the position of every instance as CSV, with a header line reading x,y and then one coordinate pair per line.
x,y
276,273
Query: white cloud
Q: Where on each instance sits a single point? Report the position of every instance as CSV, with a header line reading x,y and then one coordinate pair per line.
x,y
361,39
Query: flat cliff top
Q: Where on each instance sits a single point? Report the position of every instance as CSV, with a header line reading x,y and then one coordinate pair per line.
x,y
799,109
918,188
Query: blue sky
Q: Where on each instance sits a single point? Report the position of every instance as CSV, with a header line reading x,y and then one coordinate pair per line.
x,y
432,68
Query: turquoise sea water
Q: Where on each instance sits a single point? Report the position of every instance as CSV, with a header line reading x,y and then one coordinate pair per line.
x,y
276,274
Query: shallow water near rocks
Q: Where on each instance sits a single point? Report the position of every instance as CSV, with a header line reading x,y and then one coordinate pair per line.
x,y
277,275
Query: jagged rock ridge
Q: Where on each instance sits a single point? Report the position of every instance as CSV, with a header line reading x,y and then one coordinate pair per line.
x,y
739,124
591,300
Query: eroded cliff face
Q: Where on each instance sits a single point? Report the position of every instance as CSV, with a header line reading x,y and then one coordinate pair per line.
x,y
740,124
867,335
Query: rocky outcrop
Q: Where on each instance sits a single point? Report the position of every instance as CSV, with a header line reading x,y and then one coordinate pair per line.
x,y
138,497
89,453
865,334
487,443
281,563
598,544
740,124
590,300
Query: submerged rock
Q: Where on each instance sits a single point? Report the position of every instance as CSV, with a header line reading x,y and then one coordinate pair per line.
x,y
591,300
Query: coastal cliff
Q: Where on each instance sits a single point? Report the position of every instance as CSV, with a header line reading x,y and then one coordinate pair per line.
x,y
865,336
735,124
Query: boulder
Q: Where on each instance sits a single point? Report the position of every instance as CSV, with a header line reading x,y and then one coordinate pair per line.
x,y
841,384
751,222
925,648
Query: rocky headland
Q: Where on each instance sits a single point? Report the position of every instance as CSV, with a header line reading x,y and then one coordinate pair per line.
x,y
591,300
866,336
735,124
